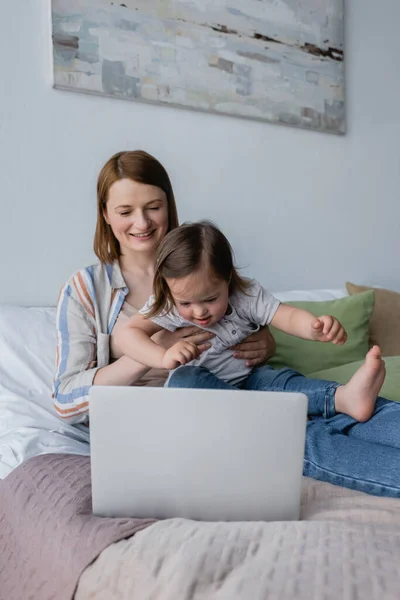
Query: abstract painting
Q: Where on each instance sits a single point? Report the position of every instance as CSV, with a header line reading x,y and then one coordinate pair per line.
x,y
280,61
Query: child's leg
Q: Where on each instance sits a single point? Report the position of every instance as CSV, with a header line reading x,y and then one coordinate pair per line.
x,y
357,398
197,377
321,394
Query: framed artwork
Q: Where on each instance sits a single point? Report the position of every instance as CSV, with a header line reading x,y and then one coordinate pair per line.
x,y
280,61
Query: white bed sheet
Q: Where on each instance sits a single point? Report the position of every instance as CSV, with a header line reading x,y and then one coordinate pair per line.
x,y
29,425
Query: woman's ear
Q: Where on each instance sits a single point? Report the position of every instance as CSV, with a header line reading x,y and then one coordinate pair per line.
x,y
106,216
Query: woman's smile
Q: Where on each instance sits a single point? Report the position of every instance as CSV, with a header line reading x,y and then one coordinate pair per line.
x,y
143,236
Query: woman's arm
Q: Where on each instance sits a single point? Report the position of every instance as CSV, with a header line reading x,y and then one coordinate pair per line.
x,y
77,359
123,371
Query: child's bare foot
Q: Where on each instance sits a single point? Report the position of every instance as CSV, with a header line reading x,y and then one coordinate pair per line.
x,y
357,398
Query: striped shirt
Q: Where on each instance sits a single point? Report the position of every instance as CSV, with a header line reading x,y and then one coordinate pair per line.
x,y
87,309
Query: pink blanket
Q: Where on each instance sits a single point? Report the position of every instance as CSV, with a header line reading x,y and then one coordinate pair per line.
x,y
48,534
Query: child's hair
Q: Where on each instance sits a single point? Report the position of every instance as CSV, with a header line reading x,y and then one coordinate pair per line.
x,y
183,251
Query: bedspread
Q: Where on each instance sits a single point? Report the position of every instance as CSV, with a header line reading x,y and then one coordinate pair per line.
x,y
48,534
347,547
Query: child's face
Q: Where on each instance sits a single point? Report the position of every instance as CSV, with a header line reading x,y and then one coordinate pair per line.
x,y
200,298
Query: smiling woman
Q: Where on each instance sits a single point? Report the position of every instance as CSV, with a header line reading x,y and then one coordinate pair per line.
x,y
135,209
131,187
142,215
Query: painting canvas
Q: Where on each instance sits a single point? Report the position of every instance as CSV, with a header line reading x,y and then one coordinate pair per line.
x,y
280,61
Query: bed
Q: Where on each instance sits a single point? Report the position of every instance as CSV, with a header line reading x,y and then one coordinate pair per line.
x,y
346,545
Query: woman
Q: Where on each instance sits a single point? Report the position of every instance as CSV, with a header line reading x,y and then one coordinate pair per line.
x,y
136,208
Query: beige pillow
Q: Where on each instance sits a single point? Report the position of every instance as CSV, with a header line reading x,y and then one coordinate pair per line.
x,y
384,325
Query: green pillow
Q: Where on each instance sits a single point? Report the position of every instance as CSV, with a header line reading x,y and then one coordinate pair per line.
x,y
342,374
308,357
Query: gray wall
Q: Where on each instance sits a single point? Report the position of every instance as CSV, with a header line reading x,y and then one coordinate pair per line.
x,y
302,209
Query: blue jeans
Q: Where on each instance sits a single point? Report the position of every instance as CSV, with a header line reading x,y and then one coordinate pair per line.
x,y
339,449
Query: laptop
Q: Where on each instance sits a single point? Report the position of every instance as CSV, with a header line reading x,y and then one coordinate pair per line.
x,y
210,455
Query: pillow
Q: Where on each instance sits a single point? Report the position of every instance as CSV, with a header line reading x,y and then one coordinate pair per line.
x,y
342,374
29,425
306,356
385,320
315,295
28,350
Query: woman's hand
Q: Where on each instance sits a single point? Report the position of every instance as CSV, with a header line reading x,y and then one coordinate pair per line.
x,y
257,348
197,336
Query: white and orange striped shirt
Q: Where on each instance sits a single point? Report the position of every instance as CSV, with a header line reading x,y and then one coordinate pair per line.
x,y
87,309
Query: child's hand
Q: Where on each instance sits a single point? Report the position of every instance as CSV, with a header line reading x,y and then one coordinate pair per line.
x,y
328,329
179,354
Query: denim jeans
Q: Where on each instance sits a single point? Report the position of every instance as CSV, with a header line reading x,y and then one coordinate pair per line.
x,y
339,449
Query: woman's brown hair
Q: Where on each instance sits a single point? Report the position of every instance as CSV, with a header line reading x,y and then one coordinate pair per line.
x,y
183,251
139,166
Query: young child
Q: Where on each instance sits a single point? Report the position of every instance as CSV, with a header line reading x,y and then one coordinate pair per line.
x,y
196,283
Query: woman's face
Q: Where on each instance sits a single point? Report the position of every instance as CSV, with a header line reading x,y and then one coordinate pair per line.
x,y
137,214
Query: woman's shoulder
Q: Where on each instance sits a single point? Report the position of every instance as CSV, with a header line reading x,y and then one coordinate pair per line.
x,y
86,274
99,274
94,281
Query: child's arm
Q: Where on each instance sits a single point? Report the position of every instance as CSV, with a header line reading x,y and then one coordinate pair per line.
x,y
134,341
304,324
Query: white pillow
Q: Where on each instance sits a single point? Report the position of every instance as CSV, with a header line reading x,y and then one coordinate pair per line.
x,y
311,295
27,350
29,425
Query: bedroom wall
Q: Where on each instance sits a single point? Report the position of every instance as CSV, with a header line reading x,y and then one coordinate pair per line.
x,y
304,209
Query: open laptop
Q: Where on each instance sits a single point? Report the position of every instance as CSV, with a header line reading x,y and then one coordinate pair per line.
x,y
200,454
